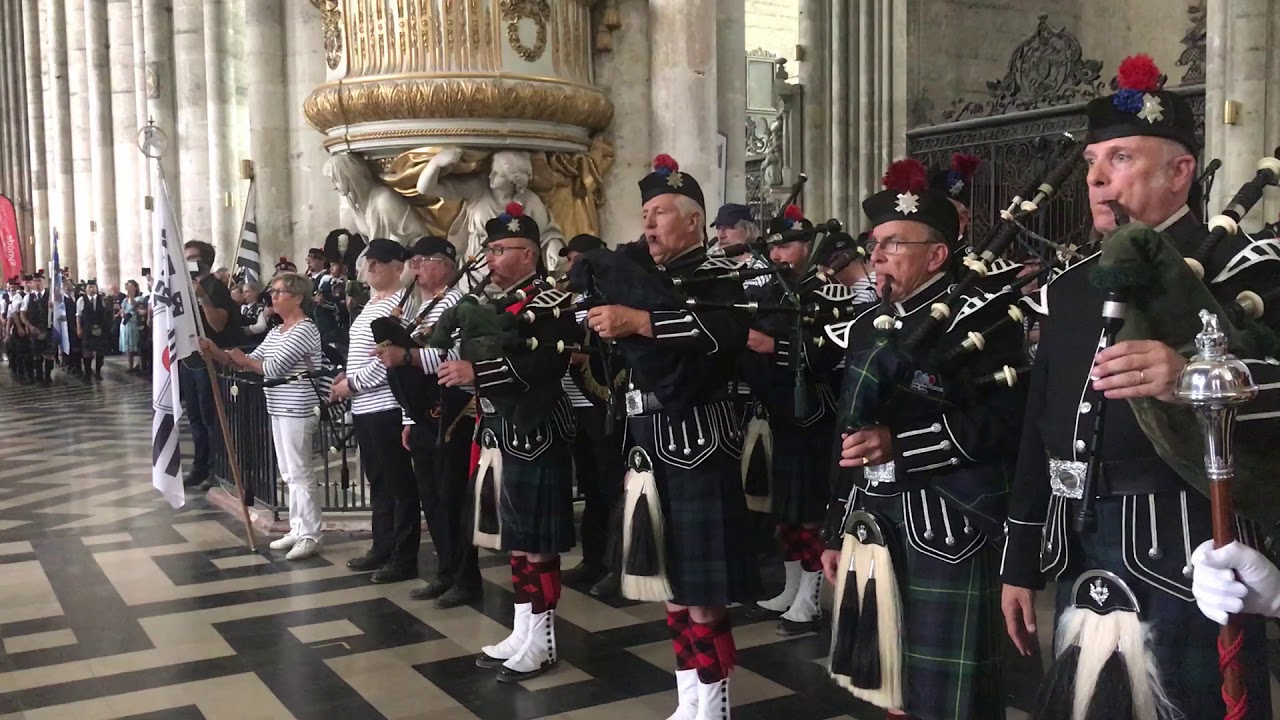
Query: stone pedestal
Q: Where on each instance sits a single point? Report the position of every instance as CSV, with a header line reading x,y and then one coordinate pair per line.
x,y
1239,56
62,203
682,90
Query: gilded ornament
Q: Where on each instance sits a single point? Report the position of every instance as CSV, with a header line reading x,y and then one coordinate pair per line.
x,y
539,11
332,28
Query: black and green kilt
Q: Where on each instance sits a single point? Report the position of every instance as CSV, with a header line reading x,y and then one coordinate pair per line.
x,y
704,511
537,501
41,344
952,627
96,343
801,474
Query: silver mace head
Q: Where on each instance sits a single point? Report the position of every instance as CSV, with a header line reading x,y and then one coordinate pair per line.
x,y
1214,377
1214,383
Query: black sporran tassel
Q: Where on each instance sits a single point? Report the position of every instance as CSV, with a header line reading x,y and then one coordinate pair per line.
x,y
864,665
757,482
1054,699
846,626
1113,695
489,524
642,558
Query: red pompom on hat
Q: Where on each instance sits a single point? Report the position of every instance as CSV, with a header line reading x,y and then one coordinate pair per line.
x,y
793,213
515,209
284,258
965,165
1138,72
906,175
665,163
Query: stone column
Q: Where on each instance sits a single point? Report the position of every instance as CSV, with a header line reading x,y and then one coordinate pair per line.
x,y
157,20
841,108
731,90
682,70
62,202
814,61
35,124
1239,56
314,208
624,75
128,197
140,163
8,129
192,141
877,80
106,240
22,146
88,223
269,125
217,63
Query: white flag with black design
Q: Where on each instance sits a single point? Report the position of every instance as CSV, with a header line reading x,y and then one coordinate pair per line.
x,y
247,254
174,335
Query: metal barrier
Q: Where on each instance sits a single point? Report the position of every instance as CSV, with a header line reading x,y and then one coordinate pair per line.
x,y
344,487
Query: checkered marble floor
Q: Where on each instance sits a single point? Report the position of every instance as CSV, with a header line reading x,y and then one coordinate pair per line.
x,y
112,605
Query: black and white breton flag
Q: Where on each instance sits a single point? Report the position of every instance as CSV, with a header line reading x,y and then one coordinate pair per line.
x,y
247,254
174,336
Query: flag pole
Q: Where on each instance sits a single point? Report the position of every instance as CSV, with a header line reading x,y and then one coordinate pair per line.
x,y
227,441
240,236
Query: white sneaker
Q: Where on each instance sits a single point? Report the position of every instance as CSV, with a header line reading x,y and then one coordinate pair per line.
x,y
284,543
305,548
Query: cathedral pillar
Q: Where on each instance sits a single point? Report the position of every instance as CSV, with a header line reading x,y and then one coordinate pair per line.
x,y
218,73
124,128
814,71
683,86
88,224
35,131
62,200
623,73
142,172
192,141
731,93
269,126
16,117
1239,58
162,101
106,239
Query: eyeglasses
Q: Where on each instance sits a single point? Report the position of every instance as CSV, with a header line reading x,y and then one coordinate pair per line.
x,y
892,245
417,260
280,291
498,250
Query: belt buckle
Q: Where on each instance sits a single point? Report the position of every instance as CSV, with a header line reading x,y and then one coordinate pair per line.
x,y
1066,478
486,405
634,402
884,473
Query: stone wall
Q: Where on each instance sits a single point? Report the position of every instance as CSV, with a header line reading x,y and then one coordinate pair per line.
x,y
773,25
1109,31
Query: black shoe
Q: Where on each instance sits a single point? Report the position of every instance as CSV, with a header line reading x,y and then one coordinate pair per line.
x,y
457,597
507,675
208,484
98,375
393,574
366,563
86,379
609,586
193,478
488,663
430,591
793,628
583,575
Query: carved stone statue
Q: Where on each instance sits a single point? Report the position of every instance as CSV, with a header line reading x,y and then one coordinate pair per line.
x,y
771,168
486,197
379,210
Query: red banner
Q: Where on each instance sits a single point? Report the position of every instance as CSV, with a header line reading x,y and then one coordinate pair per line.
x,y
10,250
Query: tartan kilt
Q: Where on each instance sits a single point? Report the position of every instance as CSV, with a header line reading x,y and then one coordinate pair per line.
x,y
705,519
96,343
954,630
537,501
41,346
801,475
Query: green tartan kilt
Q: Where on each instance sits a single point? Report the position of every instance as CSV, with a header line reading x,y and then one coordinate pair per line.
x,y
953,627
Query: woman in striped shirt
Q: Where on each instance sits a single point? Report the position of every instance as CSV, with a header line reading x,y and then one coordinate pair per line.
x,y
292,347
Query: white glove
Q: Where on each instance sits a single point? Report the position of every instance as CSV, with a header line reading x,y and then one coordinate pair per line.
x,y
1234,579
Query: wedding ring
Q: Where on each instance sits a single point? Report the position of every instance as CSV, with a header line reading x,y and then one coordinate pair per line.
x,y
1142,377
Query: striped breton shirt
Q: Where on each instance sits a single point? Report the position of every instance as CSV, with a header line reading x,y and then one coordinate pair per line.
x,y
366,375
430,357
576,397
287,352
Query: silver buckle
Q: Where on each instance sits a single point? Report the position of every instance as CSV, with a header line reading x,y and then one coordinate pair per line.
x,y
884,473
1066,477
486,405
634,402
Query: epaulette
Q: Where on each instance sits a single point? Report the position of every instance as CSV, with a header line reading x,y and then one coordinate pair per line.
x,y
836,292
719,264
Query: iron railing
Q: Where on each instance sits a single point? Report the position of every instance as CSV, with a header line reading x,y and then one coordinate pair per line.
x,y
341,477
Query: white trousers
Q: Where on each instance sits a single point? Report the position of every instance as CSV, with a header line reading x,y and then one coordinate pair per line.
x,y
292,438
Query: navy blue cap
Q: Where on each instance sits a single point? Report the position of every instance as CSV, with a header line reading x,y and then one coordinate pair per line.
x,y
582,243
434,245
384,250
731,214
